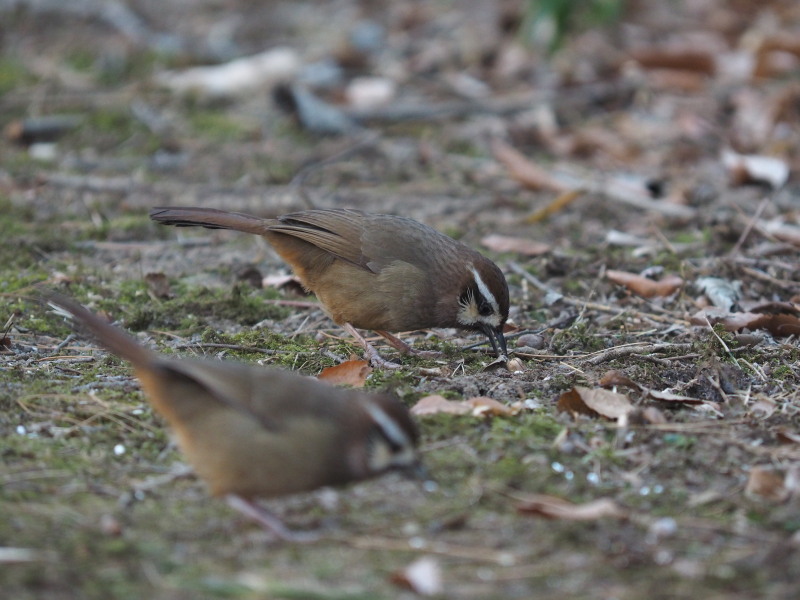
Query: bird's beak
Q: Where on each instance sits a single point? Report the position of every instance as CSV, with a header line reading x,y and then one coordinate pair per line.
x,y
497,339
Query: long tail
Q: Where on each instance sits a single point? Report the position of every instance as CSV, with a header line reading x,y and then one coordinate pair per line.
x,y
211,218
113,338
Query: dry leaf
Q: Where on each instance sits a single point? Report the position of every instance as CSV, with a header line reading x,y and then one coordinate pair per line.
x,y
594,402
667,396
679,59
351,372
645,287
765,483
423,577
614,378
779,325
763,407
552,507
752,168
479,406
525,172
722,293
787,436
524,246
434,404
482,405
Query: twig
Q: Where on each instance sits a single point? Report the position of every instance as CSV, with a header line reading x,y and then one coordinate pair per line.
x,y
585,304
189,346
721,341
750,225
628,349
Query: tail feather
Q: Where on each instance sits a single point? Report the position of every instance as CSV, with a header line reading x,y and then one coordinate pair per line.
x,y
113,338
210,218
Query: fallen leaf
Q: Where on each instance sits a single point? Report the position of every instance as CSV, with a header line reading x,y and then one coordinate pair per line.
x,y
525,172
594,402
482,405
423,577
679,59
779,325
435,404
615,378
787,436
478,406
351,372
763,407
553,507
721,293
752,168
525,246
765,483
644,286
642,416
667,396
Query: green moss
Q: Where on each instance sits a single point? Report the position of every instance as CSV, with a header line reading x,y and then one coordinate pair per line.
x,y
13,74
219,126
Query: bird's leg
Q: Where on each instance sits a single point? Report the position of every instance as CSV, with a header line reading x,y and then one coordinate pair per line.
x,y
374,358
269,521
403,348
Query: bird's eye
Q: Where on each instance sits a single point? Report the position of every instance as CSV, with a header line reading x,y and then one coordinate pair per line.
x,y
484,308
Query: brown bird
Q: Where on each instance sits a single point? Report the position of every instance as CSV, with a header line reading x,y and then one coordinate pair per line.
x,y
253,432
380,272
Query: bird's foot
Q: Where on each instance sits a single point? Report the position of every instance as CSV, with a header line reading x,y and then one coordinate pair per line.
x,y
270,522
372,355
403,348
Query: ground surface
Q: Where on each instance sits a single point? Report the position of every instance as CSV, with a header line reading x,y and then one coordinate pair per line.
x,y
692,493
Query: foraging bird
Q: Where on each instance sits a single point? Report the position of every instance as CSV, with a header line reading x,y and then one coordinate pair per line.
x,y
380,272
253,432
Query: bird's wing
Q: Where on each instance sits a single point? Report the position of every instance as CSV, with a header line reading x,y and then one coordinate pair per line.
x,y
270,396
337,231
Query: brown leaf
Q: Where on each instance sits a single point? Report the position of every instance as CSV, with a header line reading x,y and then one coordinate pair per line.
x,y
787,436
682,59
479,406
552,507
351,372
778,324
766,484
482,405
614,378
526,173
525,246
644,286
423,577
434,404
594,402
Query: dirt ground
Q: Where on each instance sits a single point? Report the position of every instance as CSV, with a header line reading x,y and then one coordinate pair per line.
x,y
634,176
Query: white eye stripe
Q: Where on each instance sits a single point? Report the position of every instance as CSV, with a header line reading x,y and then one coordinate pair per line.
x,y
484,290
390,428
